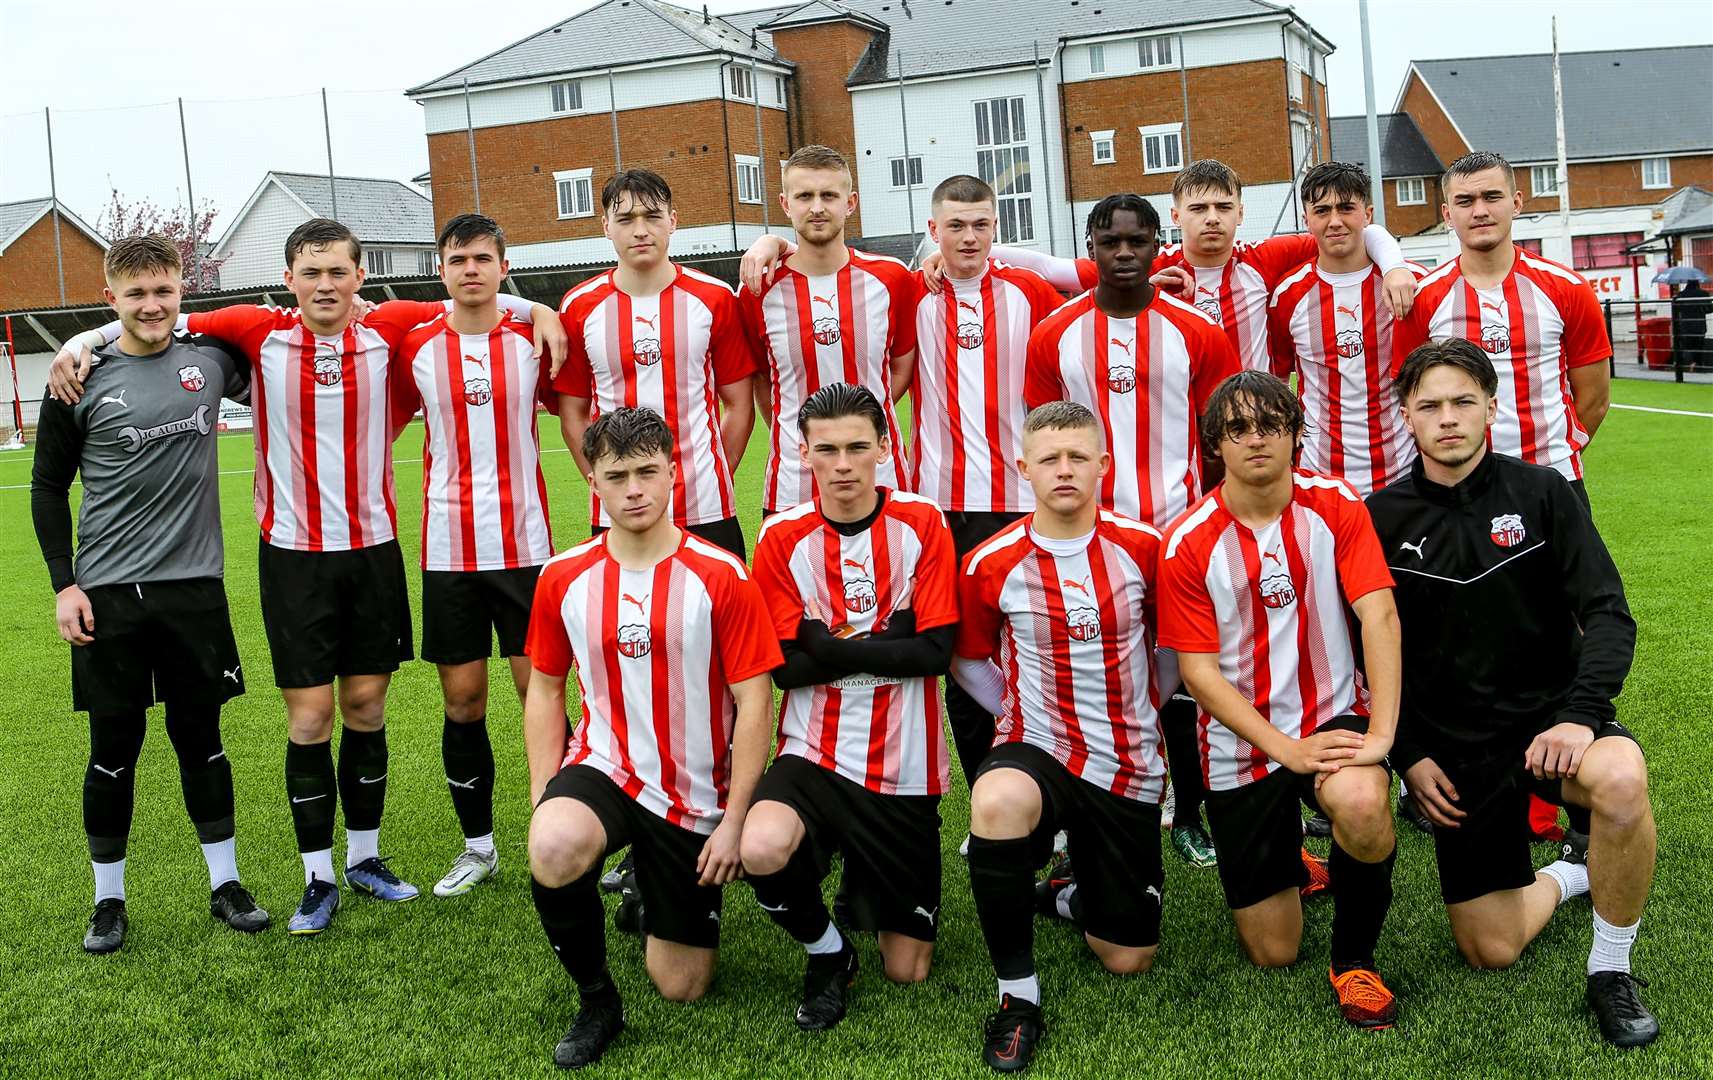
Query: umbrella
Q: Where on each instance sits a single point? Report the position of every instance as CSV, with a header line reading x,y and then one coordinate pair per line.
x,y
1679,275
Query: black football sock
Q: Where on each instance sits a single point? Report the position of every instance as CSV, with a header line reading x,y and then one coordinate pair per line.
x,y
311,788
109,783
204,773
469,761
792,899
1183,758
1362,894
573,919
1002,880
363,777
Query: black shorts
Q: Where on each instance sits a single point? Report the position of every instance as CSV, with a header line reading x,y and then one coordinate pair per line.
x,y
674,907
156,641
1258,829
1489,850
725,533
973,528
331,613
1114,846
463,611
890,843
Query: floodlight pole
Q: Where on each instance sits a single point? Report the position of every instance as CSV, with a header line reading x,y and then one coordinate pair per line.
x,y
1376,170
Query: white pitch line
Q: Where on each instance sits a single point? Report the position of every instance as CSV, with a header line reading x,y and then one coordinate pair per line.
x,y
247,472
1667,412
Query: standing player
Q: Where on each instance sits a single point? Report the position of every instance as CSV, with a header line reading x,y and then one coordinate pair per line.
x,y
669,637
1537,320
1064,602
1145,363
653,334
334,602
860,584
1501,568
1254,582
475,376
144,606
830,315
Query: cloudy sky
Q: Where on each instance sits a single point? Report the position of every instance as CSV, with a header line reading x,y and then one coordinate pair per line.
x,y
251,77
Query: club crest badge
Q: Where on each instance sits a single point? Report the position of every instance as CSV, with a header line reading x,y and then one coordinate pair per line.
x,y
477,392
859,595
327,370
1277,591
1508,531
1349,344
1121,379
1496,338
647,351
1082,623
969,335
634,641
190,377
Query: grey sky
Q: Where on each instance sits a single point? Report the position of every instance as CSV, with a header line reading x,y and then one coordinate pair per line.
x,y
251,78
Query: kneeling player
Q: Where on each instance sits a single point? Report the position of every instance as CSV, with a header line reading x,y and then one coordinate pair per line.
x,y
860,583
1254,582
1064,599
1502,572
669,637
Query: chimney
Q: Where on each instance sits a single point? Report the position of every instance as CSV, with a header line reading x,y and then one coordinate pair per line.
x,y
705,19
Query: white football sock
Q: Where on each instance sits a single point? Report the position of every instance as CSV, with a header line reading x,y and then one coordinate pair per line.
x,y
1062,902
1572,878
481,844
222,859
1611,950
318,864
109,880
361,844
1026,989
830,941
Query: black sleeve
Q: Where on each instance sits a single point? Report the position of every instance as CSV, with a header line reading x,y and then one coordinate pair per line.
x,y
236,363
59,449
1405,751
896,655
1595,593
804,665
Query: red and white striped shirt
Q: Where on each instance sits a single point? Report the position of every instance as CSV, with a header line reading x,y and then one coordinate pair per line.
x,y
966,408
484,499
1270,602
843,327
882,732
324,463
1073,636
669,353
1147,379
1234,294
1537,324
656,652
1335,331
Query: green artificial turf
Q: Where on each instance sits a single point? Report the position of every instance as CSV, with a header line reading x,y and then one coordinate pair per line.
x,y
469,987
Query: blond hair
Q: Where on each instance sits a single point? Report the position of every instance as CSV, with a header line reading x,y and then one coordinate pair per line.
x,y
136,255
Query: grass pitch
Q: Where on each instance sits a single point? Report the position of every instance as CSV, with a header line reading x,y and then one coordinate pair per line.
x,y
468,986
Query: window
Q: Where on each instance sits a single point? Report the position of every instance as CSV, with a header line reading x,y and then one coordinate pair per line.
x,y
1294,82
380,261
576,188
1162,148
1605,250
1154,52
1096,59
425,262
899,170
1701,253
749,179
1532,246
1656,172
1104,151
1412,191
1543,180
1171,234
779,89
567,96
1002,159
742,85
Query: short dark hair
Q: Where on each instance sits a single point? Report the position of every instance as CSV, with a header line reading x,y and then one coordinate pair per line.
x,y
1100,216
644,186
464,228
840,399
1207,173
1460,353
1249,400
1340,179
1478,161
321,232
1060,416
962,188
625,433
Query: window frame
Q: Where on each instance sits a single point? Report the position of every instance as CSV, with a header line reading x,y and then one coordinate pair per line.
x,y
1097,58
914,174
1007,165
565,89
425,263
1163,132
1536,172
575,177
1420,183
1663,163
378,261
1151,56
733,90
1108,139
749,164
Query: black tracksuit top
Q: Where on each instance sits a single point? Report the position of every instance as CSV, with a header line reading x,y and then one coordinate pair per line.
x,y
1513,612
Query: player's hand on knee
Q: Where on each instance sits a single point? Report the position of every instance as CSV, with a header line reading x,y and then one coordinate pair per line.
x,y
1557,752
1433,793
75,617
720,861
1324,751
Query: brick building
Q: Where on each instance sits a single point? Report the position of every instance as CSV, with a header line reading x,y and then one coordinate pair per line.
x,y
1055,103
1408,164
29,270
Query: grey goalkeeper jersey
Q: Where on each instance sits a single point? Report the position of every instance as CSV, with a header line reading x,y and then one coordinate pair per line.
x,y
144,439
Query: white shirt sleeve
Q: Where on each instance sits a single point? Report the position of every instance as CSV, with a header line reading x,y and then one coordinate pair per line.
x,y
1061,274
982,681
1383,248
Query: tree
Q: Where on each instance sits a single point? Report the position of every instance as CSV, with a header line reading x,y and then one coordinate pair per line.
x,y
189,232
